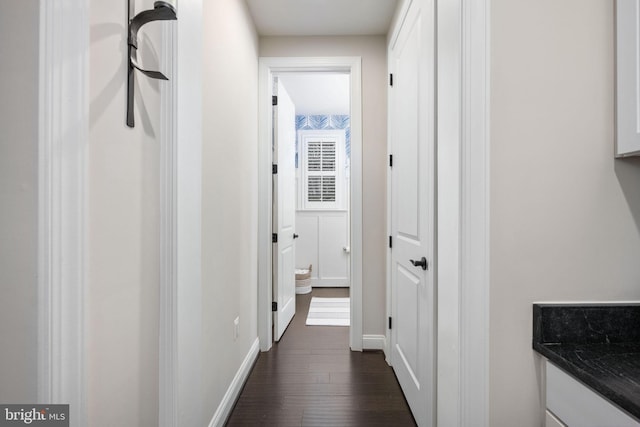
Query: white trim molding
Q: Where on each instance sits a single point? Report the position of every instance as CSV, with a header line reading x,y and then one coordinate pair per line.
x,y
448,207
62,151
267,68
374,342
330,283
233,392
463,213
180,348
168,339
475,214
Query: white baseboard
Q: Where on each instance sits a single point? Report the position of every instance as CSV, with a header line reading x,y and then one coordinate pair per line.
x,y
329,283
374,342
229,399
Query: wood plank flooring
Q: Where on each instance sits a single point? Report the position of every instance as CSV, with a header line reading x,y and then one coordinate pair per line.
x,y
311,378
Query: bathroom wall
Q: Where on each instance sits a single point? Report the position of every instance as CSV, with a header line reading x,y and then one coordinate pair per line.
x,y
322,104
324,234
372,49
565,216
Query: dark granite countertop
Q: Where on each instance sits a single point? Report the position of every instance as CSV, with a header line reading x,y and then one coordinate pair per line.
x,y
598,344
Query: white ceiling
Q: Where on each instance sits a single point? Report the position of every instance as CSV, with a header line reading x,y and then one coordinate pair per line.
x,y
322,17
318,93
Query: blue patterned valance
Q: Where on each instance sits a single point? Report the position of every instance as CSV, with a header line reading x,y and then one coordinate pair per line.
x,y
328,122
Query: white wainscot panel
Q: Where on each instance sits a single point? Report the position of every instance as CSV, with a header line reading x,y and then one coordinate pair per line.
x,y
324,243
334,259
307,243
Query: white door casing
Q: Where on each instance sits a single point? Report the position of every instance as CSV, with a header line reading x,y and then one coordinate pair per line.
x,y
180,341
267,68
62,214
284,211
412,103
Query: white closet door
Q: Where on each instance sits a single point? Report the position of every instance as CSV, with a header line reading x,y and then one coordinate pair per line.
x,y
412,210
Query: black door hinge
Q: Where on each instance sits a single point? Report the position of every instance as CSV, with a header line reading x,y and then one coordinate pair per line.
x,y
390,242
389,322
390,79
274,238
274,100
274,169
274,306
390,160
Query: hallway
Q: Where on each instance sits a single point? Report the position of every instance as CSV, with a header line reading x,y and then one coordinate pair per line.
x,y
311,378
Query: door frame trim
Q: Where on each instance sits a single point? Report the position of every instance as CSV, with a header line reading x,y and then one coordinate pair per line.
x,y
180,207
63,132
267,67
475,214
463,211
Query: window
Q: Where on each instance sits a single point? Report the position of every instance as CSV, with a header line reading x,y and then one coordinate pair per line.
x,y
322,169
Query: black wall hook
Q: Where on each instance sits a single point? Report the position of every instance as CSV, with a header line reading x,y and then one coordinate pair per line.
x,y
162,11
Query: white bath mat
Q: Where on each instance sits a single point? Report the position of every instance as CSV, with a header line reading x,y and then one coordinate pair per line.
x,y
329,312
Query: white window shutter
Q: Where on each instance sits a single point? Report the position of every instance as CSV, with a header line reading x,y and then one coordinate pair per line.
x,y
322,169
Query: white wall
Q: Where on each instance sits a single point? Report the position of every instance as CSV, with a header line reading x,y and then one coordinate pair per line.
x,y
229,194
372,49
19,32
123,232
124,228
565,216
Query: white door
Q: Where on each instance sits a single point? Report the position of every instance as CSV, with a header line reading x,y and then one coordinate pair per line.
x,y
412,210
284,140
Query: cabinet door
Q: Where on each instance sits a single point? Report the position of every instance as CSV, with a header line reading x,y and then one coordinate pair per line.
x,y
627,78
577,405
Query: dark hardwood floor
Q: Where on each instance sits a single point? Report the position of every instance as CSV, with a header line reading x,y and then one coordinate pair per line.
x,y
311,378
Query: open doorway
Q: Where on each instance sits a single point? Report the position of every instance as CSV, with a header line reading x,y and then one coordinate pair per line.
x,y
328,201
311,199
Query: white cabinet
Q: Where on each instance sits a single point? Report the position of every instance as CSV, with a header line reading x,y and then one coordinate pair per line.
x,y
571,403
627,78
